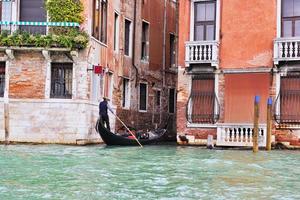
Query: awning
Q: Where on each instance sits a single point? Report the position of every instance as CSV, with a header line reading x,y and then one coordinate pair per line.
x,y
7,23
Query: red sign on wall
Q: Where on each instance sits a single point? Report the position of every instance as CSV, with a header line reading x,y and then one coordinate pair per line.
x,y
98,69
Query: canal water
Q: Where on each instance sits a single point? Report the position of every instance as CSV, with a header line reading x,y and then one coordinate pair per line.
x,y
154,172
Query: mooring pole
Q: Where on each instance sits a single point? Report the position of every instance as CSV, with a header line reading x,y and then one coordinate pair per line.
x,y
269,124
255,129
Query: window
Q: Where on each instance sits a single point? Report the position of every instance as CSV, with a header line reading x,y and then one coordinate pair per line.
x,y
109,85
172,50
33,11
116,32
61,80
96,19
204,20
290,98
126,94
5,13
99,24
127,40
145,41
103,27
157,98
172,100
143,97
290,18
2,78
202,99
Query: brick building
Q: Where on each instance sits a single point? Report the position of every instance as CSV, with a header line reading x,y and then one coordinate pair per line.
x,y
229,52
139,58
50,94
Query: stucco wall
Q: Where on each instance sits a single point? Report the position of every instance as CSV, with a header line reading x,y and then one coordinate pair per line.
x,y
52,121
248,29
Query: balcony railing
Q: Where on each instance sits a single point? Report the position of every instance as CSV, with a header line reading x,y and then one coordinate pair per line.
x,y
286,49
197,52
42,28
239,135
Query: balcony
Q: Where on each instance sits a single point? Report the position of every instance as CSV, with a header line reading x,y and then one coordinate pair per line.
x,y
286,49
239,135
42,34
202,52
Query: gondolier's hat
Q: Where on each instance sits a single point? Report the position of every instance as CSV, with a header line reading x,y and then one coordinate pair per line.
x,y
106,98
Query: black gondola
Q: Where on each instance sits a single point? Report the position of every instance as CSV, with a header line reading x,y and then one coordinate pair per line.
x,y
113,139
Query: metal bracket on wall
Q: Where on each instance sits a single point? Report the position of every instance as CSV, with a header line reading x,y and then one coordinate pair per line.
x,y
46,55
10,53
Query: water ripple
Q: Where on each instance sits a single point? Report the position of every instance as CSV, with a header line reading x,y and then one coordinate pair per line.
x,y
154,172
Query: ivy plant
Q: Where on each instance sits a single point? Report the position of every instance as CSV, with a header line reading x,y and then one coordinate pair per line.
x,y
65,11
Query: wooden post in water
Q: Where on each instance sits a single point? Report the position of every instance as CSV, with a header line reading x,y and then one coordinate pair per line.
x,y
269,124
255,129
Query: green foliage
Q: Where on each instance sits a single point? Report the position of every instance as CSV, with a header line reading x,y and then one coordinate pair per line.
x,y
78,40
65,10
65,37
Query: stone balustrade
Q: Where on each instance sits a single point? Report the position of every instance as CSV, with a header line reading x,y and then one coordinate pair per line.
x,y
239,135
202,52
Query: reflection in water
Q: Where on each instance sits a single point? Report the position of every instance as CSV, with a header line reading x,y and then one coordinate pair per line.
x,y
153,172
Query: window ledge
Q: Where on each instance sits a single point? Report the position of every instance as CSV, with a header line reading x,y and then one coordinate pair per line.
x,y
99,42
2,48
145,61
127,56
194,125
143,111
287,126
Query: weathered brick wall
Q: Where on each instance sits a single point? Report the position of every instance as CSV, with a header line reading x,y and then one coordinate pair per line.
x,y
2,132
27,75
35,118
182,99
292,136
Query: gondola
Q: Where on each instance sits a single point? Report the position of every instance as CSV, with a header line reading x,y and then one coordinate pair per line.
x,y
146,138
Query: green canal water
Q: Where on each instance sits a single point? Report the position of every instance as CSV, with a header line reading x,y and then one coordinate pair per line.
x,y
154,172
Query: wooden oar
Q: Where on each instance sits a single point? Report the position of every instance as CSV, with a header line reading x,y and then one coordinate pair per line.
x,y
128,129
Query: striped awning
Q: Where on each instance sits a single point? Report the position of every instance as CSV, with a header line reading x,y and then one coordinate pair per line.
x,y
72,24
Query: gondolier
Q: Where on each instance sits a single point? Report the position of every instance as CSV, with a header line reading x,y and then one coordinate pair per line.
x,y
103,107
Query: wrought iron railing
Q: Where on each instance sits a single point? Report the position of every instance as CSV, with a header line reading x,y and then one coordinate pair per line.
x,y
287,104
203,118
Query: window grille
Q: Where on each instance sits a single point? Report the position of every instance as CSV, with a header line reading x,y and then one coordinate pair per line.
x,y
2,79
287,104
203,105
61,80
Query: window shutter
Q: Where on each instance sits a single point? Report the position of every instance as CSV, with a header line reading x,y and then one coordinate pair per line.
x,y
203,99
290,99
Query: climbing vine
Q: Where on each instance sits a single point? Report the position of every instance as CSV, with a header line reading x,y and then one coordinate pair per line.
x,y
68,37
65,11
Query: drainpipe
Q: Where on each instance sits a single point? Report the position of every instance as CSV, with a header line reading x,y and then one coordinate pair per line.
x,y
133,45
164,55
164,44
177,34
